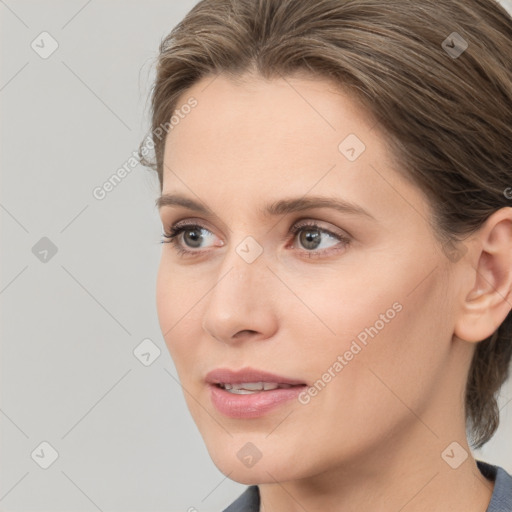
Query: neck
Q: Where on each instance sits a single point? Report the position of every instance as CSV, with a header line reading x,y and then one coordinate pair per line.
x,y
394,478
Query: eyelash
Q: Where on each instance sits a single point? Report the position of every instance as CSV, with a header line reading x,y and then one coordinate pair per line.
x,y
176,230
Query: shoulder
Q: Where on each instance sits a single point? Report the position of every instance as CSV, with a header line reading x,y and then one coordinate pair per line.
x,y
248,501
501,500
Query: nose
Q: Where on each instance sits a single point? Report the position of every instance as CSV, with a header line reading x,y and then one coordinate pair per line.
x,y
241,305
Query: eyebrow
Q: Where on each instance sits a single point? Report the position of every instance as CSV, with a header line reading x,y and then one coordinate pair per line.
x,y
281,207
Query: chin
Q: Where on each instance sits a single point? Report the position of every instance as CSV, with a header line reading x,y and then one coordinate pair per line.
x,y
259,474
266,469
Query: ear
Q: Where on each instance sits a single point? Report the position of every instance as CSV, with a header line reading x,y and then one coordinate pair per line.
x,y
489,300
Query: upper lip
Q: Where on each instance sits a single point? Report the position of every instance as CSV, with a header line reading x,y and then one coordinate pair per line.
x,y
244,375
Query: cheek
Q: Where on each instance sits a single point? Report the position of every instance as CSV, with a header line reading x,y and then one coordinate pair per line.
x,y
395,344
394,320
164,298
171,296
180,314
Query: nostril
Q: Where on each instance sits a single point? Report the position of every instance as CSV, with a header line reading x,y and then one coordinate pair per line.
x,y
244,333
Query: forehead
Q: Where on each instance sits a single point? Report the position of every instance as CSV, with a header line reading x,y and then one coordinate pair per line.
x,y
296,101
285,137
285,123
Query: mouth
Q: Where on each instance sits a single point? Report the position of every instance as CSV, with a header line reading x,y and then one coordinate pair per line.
x,y
250,393
248,388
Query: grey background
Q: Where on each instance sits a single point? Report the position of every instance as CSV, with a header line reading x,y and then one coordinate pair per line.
x,y
70,323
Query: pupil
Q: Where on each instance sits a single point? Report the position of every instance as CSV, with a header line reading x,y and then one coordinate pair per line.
x,y
311,236
194,235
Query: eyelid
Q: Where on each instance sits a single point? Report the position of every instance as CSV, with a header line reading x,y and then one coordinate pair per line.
x,y
191,221
310,221
302,221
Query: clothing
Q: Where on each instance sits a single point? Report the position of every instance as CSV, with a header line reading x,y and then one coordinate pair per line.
x,y
501,500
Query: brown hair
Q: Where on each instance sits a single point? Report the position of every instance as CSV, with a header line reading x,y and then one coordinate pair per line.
x,y
447,115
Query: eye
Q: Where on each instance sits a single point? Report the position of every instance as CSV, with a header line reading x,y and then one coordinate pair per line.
x,y
309,234
193,234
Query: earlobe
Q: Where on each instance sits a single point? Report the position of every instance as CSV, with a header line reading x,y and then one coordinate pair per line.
x,y
489,301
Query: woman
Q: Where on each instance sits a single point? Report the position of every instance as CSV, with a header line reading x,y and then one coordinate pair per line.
x,y
336,286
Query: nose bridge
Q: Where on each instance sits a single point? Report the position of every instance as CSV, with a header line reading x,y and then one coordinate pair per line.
x,y
246,255
241,272
237,300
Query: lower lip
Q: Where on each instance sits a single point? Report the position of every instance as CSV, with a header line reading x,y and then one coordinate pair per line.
x,y
251,405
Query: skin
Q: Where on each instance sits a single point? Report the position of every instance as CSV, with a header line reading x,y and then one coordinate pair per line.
x,y
375,434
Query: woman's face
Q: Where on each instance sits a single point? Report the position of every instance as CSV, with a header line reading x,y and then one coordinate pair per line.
x,y
355,309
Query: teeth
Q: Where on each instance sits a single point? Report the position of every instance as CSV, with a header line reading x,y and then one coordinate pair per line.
x,y
249,386
242,391
246,388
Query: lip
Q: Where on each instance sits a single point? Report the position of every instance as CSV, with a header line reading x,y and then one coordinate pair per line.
x,y
252,405
227,376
